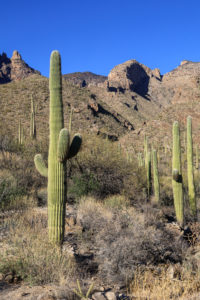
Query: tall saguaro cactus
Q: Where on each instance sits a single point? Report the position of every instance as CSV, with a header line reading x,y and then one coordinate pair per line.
x,y
156,177
59,151
191,188
177,175
32,122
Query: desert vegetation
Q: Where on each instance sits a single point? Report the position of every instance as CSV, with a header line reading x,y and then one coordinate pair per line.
x,y
120,219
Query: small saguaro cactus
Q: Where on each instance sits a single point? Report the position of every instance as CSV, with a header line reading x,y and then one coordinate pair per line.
x,y
140,160
60,150
177,175
148,170
20,134
145,150
70,119
197,157
32,122
156,177
191,188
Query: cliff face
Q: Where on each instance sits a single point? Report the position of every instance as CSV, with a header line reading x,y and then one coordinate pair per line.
x,y
14,68
133,76
179,85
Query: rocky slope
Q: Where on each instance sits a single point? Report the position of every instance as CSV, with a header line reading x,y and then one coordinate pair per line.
x,y
131,101
83,79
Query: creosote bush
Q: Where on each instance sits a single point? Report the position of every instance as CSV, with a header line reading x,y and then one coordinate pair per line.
x,y
125,240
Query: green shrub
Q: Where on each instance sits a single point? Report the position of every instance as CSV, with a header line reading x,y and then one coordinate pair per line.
x,y
83,185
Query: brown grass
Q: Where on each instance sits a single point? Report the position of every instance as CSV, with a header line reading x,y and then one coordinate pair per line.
x,y
26,252
158,285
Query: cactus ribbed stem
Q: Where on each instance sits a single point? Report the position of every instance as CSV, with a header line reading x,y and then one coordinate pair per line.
x,y
191,188
156,177
177,175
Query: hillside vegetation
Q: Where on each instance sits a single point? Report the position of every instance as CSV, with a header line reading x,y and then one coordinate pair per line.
x,y
121,235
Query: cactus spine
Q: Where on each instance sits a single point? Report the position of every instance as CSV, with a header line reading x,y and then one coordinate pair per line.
x,y
156,177
177,175
59,151
32,122
191,188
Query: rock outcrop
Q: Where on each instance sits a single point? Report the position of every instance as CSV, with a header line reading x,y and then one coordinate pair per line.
x,y
179,85
14,68
133,76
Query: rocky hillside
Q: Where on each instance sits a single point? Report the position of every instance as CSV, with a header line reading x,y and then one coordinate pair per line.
x,y
83,79
131,101
14,68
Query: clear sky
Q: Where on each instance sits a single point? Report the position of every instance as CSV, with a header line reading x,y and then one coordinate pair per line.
x,y
96,35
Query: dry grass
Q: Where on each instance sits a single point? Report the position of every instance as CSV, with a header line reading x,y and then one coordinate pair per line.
x,y
157,285
26,253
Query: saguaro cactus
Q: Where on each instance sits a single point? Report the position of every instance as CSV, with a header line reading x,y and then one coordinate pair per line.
x,y
20,134
59,151
191,188
177,175
197,157
156,177
146,150
32,122
148,174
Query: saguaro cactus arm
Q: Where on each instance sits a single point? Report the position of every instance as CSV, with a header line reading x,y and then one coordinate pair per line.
x,y
175,175
75,145
40,165
63,144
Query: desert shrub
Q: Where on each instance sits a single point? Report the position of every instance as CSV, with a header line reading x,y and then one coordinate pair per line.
x,y
27,253
116,201
84,184
125,240
111,173
19,177
11,195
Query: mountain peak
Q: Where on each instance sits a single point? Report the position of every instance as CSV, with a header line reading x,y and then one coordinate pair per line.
x,y
14,68
16,55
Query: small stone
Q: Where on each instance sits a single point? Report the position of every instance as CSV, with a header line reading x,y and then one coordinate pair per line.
x,y
98,296
170,272
111,296
9,278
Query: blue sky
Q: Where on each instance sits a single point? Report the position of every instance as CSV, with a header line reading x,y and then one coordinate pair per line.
x,y
96,35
